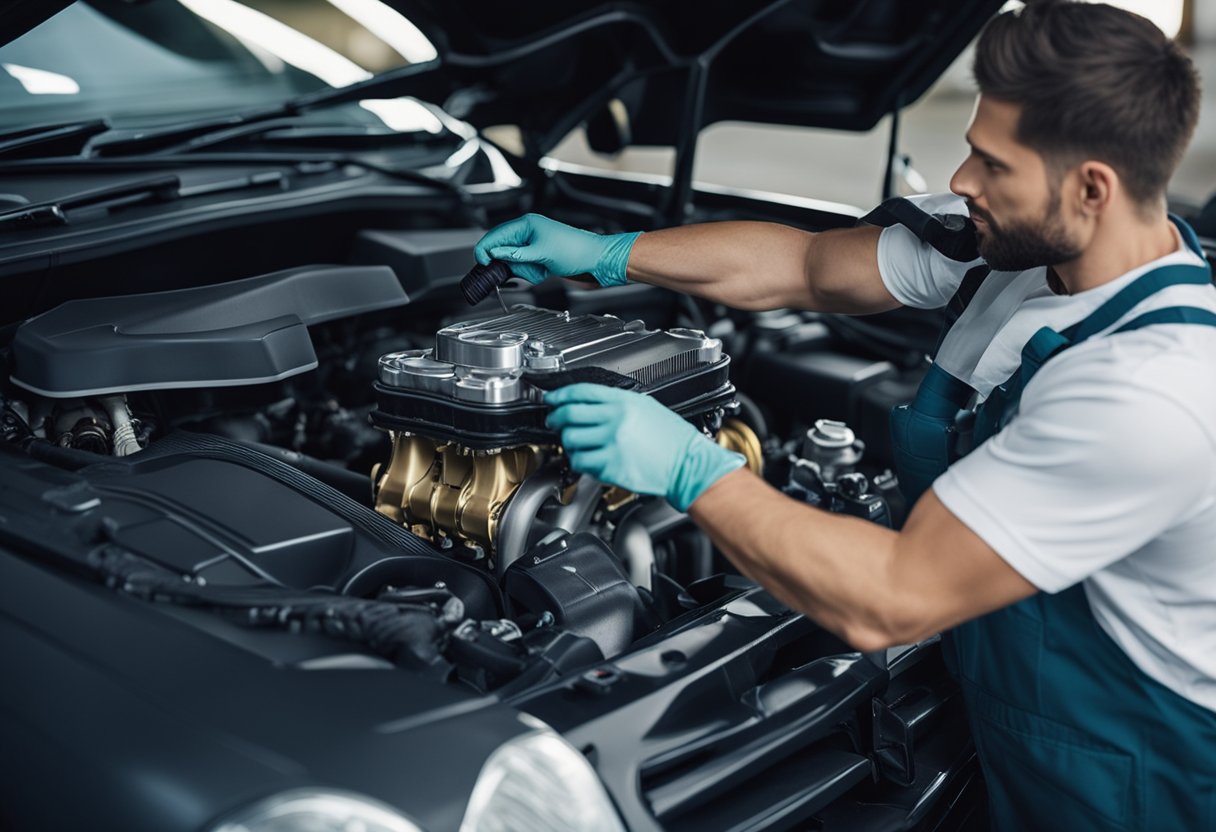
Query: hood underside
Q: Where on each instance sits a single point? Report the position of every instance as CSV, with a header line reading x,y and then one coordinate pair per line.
x,y
634,71
657,73
19,16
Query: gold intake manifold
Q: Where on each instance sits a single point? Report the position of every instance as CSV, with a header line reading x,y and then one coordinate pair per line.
x,y
441,489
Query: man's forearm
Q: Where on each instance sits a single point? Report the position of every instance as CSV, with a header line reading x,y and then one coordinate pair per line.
x,y
759,265
746,265
832,567
868,584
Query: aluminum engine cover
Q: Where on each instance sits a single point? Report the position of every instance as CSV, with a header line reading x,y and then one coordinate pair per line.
x,y
482,383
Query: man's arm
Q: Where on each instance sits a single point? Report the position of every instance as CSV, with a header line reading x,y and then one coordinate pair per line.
x,y
871,586
758,265
747,265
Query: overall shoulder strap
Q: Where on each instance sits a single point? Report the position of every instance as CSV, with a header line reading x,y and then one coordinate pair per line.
x,y
1188,235
1171,315
1147,284
961,299
1144,286
952,235
1047,343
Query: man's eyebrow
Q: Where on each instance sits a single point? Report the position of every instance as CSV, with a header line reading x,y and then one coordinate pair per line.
x,y
984,154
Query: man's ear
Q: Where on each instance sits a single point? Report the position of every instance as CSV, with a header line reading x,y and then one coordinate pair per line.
x,y
1097,184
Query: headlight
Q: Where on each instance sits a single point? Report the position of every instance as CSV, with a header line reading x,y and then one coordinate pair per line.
x,y
538,782
309,810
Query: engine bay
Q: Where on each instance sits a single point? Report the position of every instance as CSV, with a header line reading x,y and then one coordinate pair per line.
x,y
296,450
301,447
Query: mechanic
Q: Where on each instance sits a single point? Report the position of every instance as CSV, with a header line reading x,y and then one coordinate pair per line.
x,y
1071,555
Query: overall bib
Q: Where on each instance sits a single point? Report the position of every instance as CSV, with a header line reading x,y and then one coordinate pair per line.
x,y
1071,734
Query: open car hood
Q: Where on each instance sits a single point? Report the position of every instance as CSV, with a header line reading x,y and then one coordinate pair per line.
x,y
652,74
19,16
659,72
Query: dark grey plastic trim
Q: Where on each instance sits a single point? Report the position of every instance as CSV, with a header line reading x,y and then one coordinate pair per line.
x,y
248,331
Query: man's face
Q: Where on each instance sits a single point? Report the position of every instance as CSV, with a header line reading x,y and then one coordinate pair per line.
x,y
1013,198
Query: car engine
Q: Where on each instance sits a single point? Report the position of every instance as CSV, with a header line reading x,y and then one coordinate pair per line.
x,y
473,464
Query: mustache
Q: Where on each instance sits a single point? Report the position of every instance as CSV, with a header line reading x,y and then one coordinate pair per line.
x,y
976,211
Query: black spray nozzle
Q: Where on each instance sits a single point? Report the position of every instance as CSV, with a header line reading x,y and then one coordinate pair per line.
x,y
481,280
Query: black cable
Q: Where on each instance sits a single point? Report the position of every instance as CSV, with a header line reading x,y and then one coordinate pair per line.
x,y
567,32
752,416
679,198
409,635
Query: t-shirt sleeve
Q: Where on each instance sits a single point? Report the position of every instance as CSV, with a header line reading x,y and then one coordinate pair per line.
x,y
915,273
1094,466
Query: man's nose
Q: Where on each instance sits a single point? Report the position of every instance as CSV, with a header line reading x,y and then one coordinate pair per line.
x,y
963,182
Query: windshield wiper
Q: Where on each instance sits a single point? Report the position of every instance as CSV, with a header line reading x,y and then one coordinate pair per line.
x,y
152,141
287,132
60,139
301,164
54,212
139,192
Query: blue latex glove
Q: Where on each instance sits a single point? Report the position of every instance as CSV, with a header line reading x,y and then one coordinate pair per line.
x,y
631,440
537,248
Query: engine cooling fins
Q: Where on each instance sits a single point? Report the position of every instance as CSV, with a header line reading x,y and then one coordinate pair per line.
x,y
582,375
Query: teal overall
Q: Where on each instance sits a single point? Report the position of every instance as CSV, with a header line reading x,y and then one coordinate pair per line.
x,y
1071,734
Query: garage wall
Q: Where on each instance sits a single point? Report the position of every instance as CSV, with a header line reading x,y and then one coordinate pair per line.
x,y
1203,21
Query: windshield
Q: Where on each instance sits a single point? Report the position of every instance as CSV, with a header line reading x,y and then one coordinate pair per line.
x,y
165,60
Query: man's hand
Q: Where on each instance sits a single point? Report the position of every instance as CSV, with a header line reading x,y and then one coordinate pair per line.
x,y
538,248
632,441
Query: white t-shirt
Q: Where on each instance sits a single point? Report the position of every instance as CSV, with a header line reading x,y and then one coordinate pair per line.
x,y
1107,474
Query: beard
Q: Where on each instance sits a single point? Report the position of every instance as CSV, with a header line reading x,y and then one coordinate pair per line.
x,y
1018,246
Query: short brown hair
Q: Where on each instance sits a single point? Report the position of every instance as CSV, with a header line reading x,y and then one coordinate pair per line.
x,y
1094,82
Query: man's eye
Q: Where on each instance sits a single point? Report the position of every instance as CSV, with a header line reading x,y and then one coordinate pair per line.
x,y
991,166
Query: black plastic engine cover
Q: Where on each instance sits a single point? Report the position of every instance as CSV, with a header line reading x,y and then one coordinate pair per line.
x,y
245,332
224,515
